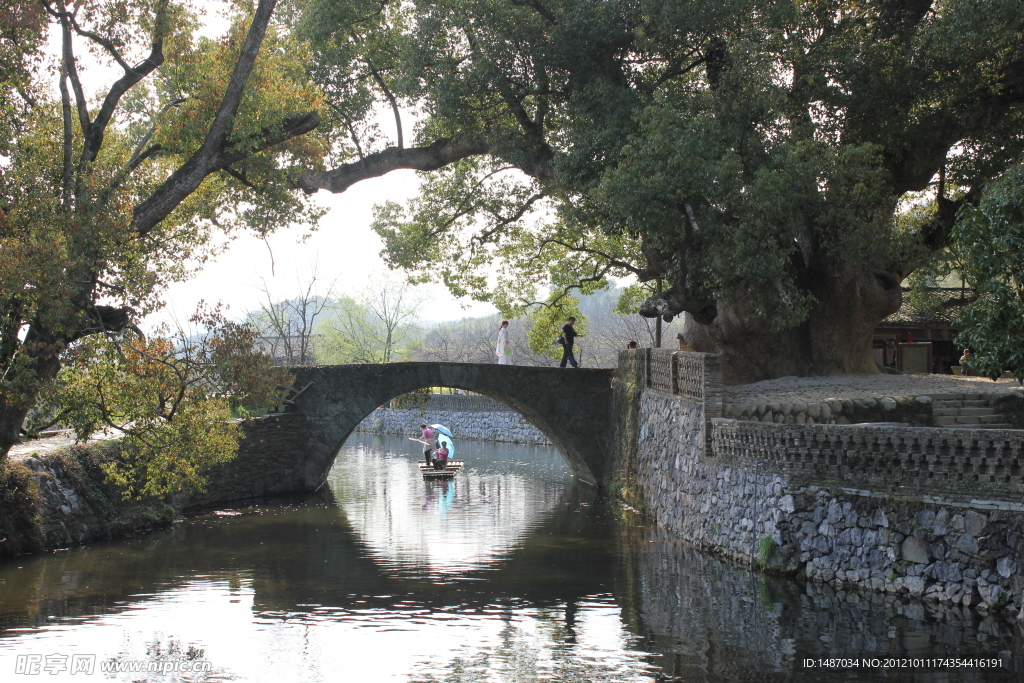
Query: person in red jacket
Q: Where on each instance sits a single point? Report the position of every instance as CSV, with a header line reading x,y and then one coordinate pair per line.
x,y
441,458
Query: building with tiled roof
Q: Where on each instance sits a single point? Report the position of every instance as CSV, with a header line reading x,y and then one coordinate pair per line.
x,y
916,339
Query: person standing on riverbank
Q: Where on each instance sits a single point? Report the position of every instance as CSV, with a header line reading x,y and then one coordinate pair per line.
x,y
503,349
568,339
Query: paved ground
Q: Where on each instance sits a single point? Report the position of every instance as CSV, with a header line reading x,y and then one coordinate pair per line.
x,y
863,386
50,443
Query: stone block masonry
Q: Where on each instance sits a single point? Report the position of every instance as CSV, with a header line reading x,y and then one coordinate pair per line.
x,y
72,504
757,623
953,548
271,461
491,424
926,512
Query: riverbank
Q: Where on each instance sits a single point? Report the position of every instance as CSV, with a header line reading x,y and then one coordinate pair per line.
x,y
59,497
54,494
901,509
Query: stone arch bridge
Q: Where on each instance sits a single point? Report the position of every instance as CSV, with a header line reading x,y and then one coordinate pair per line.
x,y
572,407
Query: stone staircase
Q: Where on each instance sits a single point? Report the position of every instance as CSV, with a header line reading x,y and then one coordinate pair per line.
x,y
967,410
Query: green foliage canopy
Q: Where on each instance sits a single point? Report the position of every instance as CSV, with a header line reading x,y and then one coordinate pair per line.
x,y
753,153
108,197
990,239
168,397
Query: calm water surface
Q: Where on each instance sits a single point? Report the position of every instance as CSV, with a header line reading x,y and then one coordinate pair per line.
x,y
509,572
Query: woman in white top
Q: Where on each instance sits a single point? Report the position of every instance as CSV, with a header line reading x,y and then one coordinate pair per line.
x,y
503,349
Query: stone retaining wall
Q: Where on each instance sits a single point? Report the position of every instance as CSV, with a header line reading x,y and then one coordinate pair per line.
x,y
933,513
271,461
911,409
71,504
753,507
505,425
74,505
972,462
730,625
914,410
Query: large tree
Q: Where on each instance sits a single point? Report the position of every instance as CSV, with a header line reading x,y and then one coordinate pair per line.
x,y
110,192
759,156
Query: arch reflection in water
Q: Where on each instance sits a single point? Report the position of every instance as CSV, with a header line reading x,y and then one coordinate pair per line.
x,y
417,528
292,592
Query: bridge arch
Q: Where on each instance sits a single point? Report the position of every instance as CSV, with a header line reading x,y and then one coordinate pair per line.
x,y
572,407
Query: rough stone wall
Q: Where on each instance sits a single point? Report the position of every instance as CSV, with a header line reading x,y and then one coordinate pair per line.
x,y
965,461
1011,406
74,505
916,410
711,506
494,426
954,548
271,461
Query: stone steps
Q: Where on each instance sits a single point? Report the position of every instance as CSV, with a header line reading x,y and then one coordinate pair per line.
x,y
963,411
967,410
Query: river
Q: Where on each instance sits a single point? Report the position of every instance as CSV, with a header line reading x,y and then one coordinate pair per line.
x,y
512,571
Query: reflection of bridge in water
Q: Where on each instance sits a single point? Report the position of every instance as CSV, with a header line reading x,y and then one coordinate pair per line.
x,y
310,553
572,407
314,560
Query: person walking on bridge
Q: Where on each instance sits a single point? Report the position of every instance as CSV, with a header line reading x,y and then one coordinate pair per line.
x,y
568,339
503,349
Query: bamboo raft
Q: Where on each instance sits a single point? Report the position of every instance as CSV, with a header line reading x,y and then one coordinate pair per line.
x,y
448,472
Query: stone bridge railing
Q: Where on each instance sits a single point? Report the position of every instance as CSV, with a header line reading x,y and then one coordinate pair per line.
x,y
693,376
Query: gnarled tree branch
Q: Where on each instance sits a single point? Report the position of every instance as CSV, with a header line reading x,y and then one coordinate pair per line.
x,y
429,158
213,154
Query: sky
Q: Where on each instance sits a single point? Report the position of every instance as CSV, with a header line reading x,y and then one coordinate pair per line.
x,y
343,251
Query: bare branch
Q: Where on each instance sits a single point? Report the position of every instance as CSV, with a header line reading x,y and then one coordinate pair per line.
x,y
505,221
65,100
642,274
391,98
132,75
539,8
71,69
106,43
351,129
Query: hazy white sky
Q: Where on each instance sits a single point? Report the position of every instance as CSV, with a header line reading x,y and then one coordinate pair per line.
x,y
344,250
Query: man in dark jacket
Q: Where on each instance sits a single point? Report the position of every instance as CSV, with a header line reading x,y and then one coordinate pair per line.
x,y
568,339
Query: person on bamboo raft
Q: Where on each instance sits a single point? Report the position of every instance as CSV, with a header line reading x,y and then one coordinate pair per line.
x,y
427,436
441,457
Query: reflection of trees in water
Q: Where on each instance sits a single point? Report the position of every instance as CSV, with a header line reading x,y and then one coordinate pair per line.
x,y
431,527
586,595
708,616
534,644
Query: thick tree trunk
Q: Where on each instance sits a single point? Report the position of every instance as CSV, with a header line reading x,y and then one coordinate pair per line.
x,y
11,419
14,408
835,339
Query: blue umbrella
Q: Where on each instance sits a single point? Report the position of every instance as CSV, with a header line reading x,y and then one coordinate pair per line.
x,y
446,439
444,430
